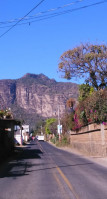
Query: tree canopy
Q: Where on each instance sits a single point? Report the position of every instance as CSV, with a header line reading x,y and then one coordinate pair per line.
x,y
70,102
84,91
48,125
86,61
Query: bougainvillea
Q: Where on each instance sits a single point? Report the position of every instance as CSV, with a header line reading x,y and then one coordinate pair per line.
x,y
93,108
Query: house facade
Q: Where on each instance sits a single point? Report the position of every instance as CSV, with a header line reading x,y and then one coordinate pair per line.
x,y
21,134
7,136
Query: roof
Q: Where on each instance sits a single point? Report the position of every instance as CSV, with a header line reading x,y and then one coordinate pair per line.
x,y
5,123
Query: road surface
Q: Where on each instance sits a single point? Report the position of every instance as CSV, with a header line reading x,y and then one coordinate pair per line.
x,y
41,171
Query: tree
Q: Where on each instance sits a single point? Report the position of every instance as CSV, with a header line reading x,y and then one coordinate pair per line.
x,y
92,108
70,103
85,90
88,61
49,124
96,106
38,127
67,122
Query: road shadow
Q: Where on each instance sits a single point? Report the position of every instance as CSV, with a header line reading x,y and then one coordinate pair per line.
x,y
31,144
60,166
18,164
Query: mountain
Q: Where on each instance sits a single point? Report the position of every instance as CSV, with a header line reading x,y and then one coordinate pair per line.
x,y
34,97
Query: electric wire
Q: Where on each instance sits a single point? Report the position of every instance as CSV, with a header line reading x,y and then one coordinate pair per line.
x,y
43,12
40,18
48,16
22,18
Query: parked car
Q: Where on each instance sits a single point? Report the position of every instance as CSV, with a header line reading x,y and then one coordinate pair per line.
x,y
40,137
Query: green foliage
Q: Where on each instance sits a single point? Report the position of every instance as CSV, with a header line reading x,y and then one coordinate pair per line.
x,y
48,125
93,108
65,141
96,106
67,121
54,139
85,90
39,127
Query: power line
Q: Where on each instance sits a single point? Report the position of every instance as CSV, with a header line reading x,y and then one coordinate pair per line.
x,y
22,18
40,13
65,12
40,18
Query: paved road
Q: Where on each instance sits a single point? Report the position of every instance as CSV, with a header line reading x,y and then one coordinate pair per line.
x,y
41,171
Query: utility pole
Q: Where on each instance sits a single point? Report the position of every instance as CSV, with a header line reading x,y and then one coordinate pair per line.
x,y
59,126
41,130
59,130
21,134
58,116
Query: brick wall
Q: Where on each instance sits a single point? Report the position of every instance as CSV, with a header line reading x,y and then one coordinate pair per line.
x,y
90,140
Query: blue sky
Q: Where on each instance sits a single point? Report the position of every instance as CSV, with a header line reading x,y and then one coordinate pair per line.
x,y
37,46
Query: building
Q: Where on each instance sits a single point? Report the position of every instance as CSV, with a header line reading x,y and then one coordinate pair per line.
x,y
7,136
21,134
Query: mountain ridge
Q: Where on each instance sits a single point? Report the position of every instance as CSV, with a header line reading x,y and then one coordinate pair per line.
x,y
35,96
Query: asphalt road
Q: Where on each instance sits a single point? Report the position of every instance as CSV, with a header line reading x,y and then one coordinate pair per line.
x,y
41,171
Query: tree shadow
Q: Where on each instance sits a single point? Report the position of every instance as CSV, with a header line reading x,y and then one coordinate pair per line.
x,y
60,166
20,162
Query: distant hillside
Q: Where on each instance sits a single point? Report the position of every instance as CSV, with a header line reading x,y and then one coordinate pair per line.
x,y
33,97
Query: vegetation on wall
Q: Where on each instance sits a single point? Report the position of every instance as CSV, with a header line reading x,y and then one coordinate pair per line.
x,y
96,106
89,62
92,107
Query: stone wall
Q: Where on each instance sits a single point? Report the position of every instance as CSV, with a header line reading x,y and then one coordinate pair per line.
x,y
90,140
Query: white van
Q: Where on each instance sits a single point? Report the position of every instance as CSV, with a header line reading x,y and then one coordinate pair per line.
x,y
40,137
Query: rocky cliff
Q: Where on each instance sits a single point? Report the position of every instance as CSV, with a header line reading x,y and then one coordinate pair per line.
x,y
35,96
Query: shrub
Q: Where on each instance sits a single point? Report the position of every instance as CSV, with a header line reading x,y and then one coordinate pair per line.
x,y
65,141
93,108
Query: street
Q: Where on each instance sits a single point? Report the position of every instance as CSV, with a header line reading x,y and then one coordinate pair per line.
x,y
42,171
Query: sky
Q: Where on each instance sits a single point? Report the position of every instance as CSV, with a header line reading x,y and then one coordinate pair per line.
x,y
36,42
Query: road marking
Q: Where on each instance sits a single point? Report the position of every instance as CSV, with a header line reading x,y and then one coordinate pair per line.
x,y
67,182
40,146
61,186
62,174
